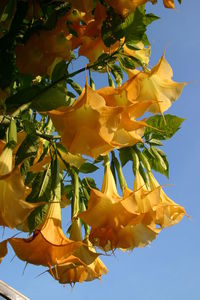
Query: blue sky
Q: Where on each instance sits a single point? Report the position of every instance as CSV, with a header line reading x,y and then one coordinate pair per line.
x,y
169,267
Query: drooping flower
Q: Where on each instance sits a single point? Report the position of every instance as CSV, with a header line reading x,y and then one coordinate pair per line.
x,y
91,127
91,42
49,240
79,125
156,86
13,208
168,212
117,222
85,264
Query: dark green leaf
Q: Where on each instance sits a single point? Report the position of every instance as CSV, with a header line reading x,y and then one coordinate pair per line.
x,y
125,155
127,62
41,191
88,168
29,127
59,71
27,149
37,217
50,98
112,28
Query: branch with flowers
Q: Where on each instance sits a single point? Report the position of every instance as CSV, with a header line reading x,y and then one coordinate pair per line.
x,y
54,133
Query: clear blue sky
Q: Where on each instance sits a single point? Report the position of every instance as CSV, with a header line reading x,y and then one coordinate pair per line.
x,y
169,269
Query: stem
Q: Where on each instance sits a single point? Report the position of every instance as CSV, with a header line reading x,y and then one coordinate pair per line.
x,y
122,180
136,161
76,206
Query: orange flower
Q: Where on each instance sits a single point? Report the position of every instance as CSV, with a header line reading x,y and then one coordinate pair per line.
x,y
156,86
84,265
92,127
169,3
49,240
42,49
92,45
13,208
79,124
117,222
124,7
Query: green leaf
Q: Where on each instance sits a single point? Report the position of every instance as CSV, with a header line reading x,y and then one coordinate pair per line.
x,y
29,127
88,168
157,160
27,149
125,155
127,62
117,73
59,71
89,183
22,97
42,186
112,28
165,127
37,217
135,25
50,98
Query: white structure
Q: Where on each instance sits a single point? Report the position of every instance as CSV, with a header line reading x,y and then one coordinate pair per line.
x,y
8,293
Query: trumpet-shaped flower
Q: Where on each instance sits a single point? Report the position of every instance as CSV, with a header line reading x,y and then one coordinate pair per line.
x,y
49,240
92,127
85,264
168,212
13,208
79,125
156,86
117,222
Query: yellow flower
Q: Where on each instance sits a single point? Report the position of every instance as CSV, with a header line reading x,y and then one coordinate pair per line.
x,y
49,240
156,86
85,264
79,125
13,208
92,127
168,212
118,222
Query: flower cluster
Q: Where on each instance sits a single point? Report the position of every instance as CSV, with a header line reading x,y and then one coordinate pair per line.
x,y
49,135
